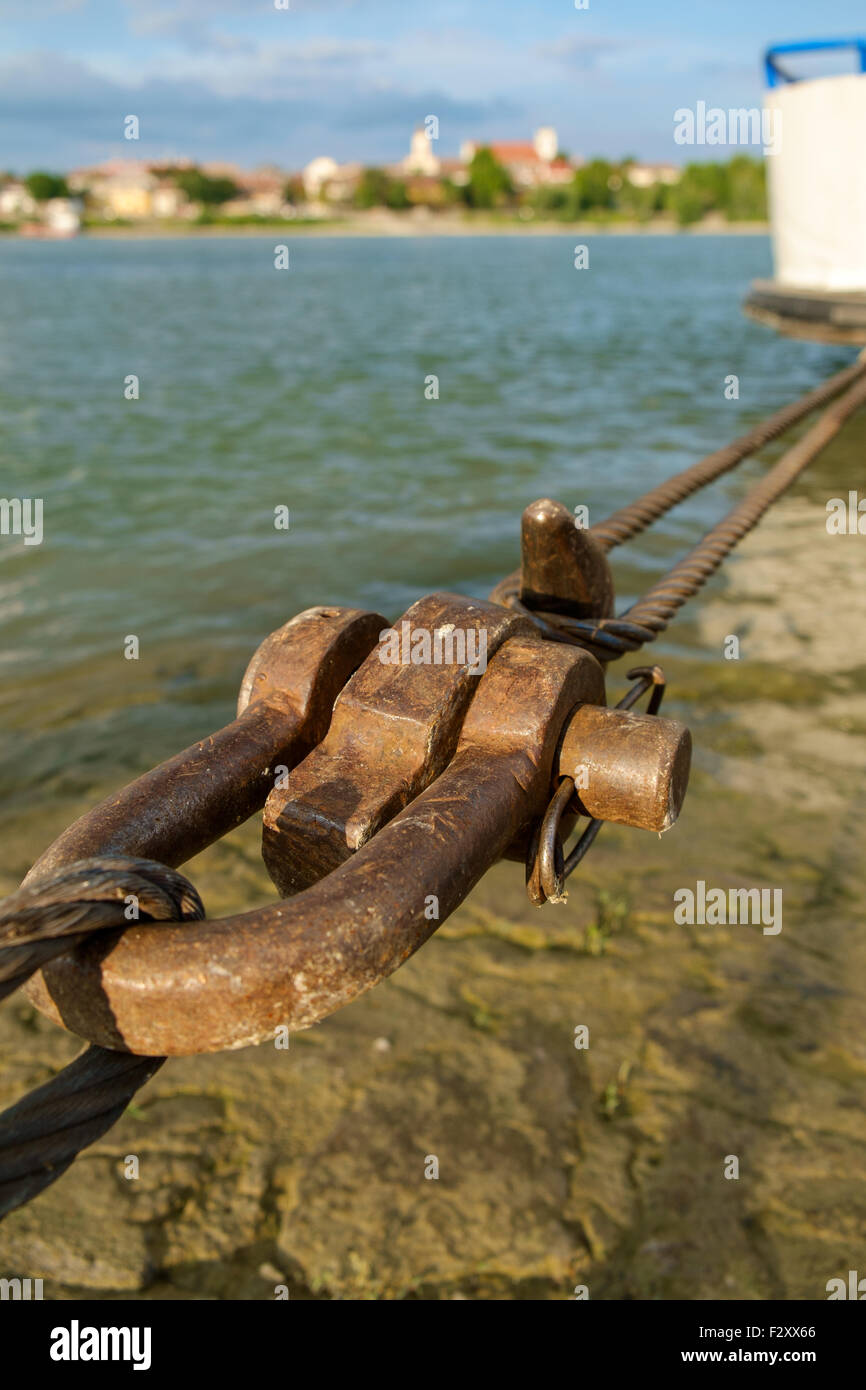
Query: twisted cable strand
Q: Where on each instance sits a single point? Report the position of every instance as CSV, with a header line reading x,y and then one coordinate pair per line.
x,y
629,521
608,638
41,1134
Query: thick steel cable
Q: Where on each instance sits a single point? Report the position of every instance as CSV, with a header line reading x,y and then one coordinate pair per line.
x,y
45,919
629,521
44,1132
611,637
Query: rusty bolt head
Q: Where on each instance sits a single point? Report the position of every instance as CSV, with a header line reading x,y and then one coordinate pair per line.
x,y
630,768
563,568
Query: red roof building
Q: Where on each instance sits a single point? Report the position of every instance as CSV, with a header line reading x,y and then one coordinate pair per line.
x,y
529,162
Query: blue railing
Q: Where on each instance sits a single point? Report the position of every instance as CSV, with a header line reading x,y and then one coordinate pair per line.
x,y
777,74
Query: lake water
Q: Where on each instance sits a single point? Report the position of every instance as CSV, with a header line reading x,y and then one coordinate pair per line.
x,y
306,388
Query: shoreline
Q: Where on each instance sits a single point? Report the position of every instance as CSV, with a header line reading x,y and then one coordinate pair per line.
x,y
397,226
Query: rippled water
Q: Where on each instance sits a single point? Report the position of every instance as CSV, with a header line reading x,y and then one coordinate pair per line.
x,y
306,388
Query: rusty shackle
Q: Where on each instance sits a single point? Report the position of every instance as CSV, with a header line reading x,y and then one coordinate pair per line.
x,y
389,787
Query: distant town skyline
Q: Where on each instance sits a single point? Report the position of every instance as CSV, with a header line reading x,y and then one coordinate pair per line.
x,y
246,82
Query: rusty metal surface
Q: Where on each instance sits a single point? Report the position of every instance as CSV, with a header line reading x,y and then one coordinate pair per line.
x,y
394,729
45,918
562,567
303,665
636,772
636,766
199,987
182,806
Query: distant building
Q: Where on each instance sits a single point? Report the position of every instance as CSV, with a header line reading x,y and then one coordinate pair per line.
x,y
317,173
546,143
425,190
421,163
262,191
421,158
137,191
118,188
454,169
529,163
645,175
16,202
62,216
170,202
56,218
127,194
342,185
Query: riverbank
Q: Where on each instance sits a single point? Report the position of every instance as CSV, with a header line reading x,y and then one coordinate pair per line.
x,y
384,224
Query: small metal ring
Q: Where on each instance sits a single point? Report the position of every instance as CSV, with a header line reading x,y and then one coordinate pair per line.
x,y
646,676
551,860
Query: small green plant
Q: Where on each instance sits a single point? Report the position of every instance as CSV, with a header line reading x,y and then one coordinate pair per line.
x,y
613,1097
481,1015
611,914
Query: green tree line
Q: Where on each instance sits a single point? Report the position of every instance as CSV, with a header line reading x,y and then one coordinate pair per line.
x,y
736,190
600,189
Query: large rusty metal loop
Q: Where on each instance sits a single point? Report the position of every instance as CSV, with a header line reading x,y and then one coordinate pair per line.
x,y
182,806
180,988
408,784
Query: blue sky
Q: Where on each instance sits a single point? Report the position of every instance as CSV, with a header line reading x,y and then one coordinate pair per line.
x,y
244,81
